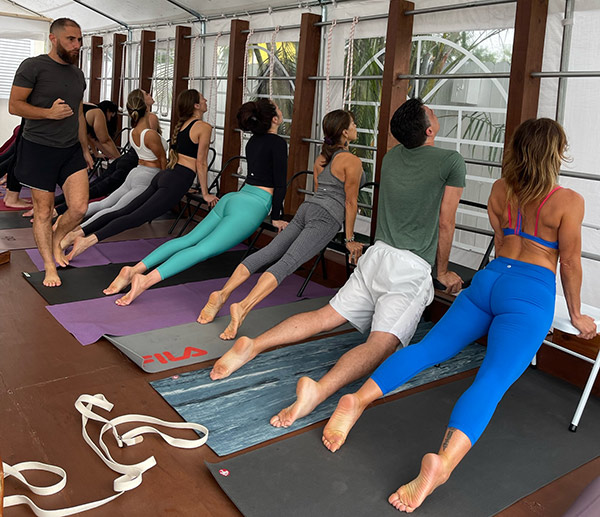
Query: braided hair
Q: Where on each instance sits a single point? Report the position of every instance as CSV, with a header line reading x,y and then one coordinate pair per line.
x,y
186,101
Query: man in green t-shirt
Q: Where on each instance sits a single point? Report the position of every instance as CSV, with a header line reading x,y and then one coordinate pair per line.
x,y
418,196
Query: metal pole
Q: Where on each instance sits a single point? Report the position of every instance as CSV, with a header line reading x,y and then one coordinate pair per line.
x,y
483,75
350,20
456,7
566,74
271,29
564,58
341,77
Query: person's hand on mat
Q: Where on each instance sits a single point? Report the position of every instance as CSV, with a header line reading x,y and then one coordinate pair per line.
x,y
586,326
280,225
451,280
59,110
211,200
355,249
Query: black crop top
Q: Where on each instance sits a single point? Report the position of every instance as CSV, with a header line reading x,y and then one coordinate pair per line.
x,y
90,129
185,145
267,167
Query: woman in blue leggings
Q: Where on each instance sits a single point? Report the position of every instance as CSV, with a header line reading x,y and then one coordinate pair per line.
x,y
511,300
234,218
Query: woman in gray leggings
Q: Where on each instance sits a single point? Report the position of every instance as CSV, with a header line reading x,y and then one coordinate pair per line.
x,y
338,175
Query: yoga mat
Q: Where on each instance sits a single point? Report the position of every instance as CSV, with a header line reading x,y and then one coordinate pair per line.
x,y
162,307
87,283
16,239
237,409
182,345
11,220
526,446
4,208
107,253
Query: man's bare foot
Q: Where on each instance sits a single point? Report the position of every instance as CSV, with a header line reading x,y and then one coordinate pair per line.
x,y
212,307
79,246
121,282
236,357
17,203
238,315
308,397
343,419
29,213
59,256
433,474
51,278
138,286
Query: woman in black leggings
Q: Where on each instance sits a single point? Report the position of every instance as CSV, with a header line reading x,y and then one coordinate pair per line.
x,y
167,187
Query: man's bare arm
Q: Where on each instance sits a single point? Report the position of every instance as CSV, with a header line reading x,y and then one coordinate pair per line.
x,y
451,280
18,105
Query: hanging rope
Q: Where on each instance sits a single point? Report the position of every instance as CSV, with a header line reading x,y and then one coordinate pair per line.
x,y
328,67
122,81
212,92
272,61
192,61
349,66
245,91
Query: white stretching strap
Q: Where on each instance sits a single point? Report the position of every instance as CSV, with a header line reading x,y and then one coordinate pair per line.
x,y
164,112
349,66
131,474
272,61
328,67
244,92
212,92
192,61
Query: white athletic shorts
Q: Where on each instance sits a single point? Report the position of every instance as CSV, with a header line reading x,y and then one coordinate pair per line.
x,y
388,291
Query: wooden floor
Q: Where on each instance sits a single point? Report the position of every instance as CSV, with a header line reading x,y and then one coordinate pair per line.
x,y
43,370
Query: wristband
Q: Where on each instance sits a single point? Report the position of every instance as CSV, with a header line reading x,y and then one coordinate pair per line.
x,y
351,239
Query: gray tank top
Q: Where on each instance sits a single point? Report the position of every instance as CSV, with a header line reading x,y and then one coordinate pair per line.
x,y
330,193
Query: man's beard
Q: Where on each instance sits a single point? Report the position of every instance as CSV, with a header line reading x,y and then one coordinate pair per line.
x,y
65,55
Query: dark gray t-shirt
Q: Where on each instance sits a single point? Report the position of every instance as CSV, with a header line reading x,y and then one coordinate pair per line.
x,y
49,81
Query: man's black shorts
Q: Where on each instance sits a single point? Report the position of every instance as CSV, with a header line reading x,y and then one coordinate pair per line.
x,y
43,167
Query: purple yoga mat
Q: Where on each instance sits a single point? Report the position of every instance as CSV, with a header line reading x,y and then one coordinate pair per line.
x,y
88,320
115,252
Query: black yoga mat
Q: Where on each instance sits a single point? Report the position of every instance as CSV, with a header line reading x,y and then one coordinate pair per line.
x,y
10,220
526,446
86,283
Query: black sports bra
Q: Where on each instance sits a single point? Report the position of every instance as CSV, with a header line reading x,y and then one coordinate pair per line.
x,y
185,145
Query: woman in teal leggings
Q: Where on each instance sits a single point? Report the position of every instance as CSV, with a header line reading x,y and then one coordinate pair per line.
x,y
235,216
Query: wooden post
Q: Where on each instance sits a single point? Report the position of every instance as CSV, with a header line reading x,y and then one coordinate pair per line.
x,y
528,52
117,71
398,45
181,68
234,96
147,49
95,69
304,100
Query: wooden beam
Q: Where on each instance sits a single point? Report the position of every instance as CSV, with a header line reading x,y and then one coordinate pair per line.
x,y
95,69
398,45
528,52
181,68
304,99
117,69
147,50
231,137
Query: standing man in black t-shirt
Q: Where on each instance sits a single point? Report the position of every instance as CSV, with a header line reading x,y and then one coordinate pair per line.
x,y
48,93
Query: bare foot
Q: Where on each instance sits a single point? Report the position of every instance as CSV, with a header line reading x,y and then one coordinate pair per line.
x,y
59,255
343,419
236,357
212,307
409,497
308,393
18,203
238,315
29,213
138,286
121,282
79,246
51,278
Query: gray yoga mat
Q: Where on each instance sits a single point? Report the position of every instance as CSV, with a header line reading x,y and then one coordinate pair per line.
x,y
11,219
237,409
526,446
182,345
16,239
87,283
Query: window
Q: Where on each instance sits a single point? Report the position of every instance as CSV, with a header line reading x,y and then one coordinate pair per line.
x,y
12,53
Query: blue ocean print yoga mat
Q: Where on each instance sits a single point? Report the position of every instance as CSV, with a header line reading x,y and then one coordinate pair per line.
x,y
237,409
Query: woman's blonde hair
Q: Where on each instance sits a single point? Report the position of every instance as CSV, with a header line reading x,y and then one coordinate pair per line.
x,y
532,160
186,101
136,106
